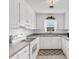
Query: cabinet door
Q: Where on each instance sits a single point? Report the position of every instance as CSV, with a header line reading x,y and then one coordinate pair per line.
x,y
64,45
27,15
24,54
14,14
50,43
56,43
67,49
67,20
24,12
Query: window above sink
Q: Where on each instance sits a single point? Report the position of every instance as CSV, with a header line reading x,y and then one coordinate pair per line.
x,y
50,24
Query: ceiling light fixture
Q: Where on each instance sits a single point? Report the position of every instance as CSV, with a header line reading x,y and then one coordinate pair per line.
x,y
51,3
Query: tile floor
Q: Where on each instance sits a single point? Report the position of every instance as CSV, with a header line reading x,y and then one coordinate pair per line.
x,y
51,54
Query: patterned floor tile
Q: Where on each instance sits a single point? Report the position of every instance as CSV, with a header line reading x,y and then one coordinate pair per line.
x,y
52,57
46,52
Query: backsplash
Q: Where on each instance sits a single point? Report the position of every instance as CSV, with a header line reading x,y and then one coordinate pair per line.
x,y
43,31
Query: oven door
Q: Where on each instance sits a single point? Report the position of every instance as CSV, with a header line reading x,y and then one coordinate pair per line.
x,y
34,48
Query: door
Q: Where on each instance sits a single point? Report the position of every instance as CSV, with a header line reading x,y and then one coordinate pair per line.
x,y
24,54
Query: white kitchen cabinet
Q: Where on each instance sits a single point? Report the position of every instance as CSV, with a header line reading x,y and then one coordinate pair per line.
x,y
34,48
27,15
24,53
67,20
13,14
50,43
65,47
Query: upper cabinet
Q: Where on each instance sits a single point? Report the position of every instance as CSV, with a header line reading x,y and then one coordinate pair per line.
x,y
21,14
13,14
27,15
67,20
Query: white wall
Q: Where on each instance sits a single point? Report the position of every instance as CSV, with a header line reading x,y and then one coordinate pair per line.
x,y
59,17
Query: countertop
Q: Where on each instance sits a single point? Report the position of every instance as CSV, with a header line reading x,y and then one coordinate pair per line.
x,y
16,47
34,35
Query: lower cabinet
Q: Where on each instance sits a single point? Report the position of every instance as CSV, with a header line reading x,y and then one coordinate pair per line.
x,y
65,47
29,52
23,54
50,42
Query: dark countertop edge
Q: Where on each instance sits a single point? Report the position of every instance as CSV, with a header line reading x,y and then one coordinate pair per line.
x,y
33,34
63,35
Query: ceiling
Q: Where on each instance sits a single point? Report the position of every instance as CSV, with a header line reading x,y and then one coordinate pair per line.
x,y
41,6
